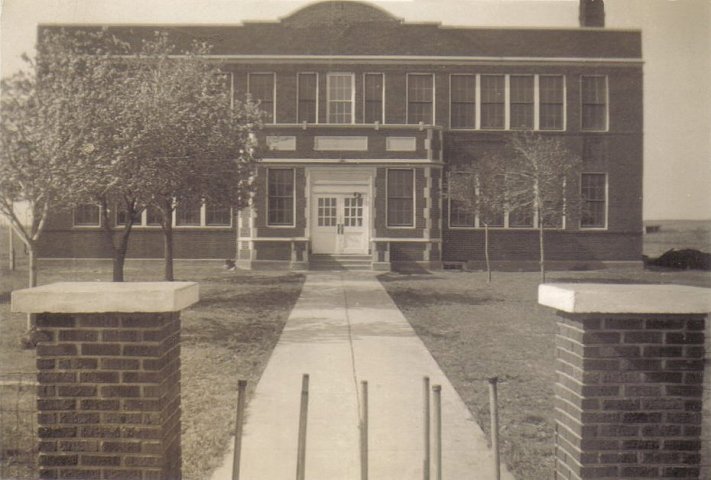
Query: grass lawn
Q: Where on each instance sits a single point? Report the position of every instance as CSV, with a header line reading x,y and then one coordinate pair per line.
x,y
476,331
227,336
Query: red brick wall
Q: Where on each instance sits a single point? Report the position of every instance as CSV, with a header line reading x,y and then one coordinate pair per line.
x,y
629,395
109,396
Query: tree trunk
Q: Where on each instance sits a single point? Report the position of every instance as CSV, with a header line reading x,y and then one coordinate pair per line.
x,y
32,265
486,252
542,258
118,263
168,250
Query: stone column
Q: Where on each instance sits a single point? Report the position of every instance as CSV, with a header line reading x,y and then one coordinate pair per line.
x,y
108,369
628,397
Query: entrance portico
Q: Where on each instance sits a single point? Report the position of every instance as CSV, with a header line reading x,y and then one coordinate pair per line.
x,y
340,204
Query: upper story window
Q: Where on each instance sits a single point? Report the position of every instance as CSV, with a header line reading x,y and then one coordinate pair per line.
x,y
463,101
307,106
87,215
593,190
551,97
593,94
420,98
493,101
261,86
373,86
280,196
340,93
521,98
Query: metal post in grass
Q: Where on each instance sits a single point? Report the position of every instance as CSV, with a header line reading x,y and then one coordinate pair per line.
x,y
437,405
426,427
303,414
241,401
364,431
494,411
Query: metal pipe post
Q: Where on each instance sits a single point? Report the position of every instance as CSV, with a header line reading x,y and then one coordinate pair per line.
x,y
437,405
303,415
241,402
494,410
426,427
364,431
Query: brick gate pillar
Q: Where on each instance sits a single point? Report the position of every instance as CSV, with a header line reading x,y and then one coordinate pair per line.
x,y
108,365
630,368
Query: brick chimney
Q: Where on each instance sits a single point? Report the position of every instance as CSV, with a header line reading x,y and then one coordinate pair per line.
x,y
592,13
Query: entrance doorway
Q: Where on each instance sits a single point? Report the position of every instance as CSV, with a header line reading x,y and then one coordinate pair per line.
x,y
339,223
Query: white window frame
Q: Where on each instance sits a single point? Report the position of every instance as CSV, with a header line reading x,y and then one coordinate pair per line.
x,y
507,102
407,96
382,93
607,103
293,205
607,202
274,93
477,97
94,225
298,92
414,200
328,97
203,220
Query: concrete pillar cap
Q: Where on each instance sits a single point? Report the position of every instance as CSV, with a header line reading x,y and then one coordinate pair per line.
x,y
103,297
625,298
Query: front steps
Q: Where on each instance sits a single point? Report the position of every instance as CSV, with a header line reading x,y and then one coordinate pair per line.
x,y
340,262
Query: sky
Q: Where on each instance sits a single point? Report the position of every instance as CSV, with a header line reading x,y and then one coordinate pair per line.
x,y
676,42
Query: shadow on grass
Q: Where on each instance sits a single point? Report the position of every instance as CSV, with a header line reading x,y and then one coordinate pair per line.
x,y
621,281
275,280
5,297
408,298
405,277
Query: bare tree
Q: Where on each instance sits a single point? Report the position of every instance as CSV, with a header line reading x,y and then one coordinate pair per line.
x,y
540,175
477,188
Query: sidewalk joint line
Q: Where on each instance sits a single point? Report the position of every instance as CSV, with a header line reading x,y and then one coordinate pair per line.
x,y
350,343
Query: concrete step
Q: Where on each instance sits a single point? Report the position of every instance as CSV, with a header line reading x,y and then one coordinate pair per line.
x,y
340,262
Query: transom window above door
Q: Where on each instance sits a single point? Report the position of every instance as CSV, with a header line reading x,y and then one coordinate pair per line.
x,y
341,97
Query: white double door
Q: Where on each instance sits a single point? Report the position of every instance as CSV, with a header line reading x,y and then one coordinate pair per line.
x,y
339,223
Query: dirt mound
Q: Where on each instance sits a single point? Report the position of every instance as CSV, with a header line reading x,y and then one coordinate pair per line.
x,y
685,259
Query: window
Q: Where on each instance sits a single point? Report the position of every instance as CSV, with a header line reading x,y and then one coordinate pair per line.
x,y
261,87
188,214
401,200
492,101
551,102
594,102
462,101
373,97
420,98
280,196
87,216
121,215
521,217
521,107
218,215
308,88
340,97
153,216
593,189
459,215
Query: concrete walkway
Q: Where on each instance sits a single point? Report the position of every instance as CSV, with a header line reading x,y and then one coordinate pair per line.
x,y
344,329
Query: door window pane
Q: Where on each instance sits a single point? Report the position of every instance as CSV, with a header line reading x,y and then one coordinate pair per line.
x,y
400,197
420,95
307,97
353,212
373,98
327,212
463,101
492,101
